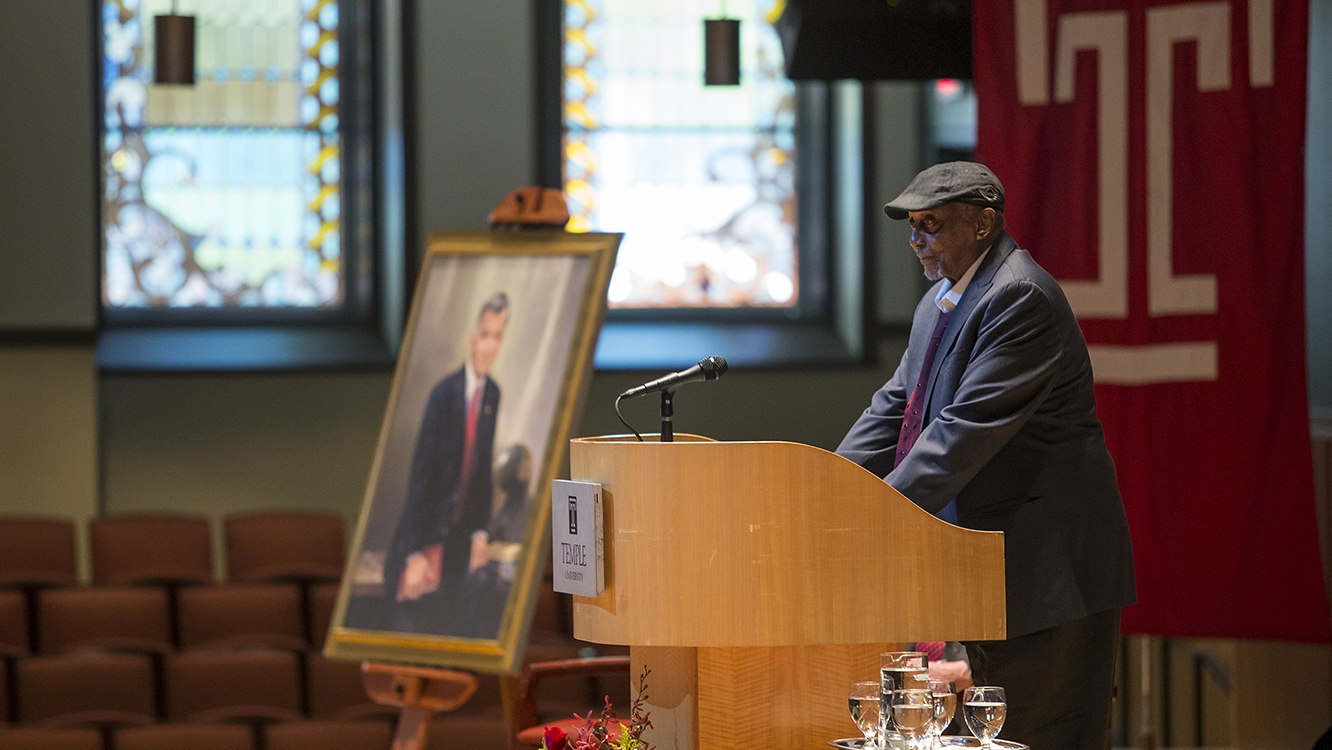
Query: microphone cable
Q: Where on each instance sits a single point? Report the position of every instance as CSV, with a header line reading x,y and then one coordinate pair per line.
x,y
623,421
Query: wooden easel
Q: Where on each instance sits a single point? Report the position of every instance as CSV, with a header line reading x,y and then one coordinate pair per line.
x,y
421,692
418,693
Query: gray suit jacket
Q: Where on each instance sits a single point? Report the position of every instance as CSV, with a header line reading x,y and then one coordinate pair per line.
x,y
1011,433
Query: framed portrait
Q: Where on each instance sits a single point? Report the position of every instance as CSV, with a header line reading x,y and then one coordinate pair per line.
x,y
497,356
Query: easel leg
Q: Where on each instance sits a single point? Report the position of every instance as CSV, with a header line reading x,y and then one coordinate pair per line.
x,y
413,728
509,697
418,693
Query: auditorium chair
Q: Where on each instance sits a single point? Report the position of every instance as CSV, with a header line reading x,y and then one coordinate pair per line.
x,y
552,640
6,707
43,738
151,549
551,636
291,547
13,642
13,624
334,691
334,734
37,552
185,737
302,548
459,730
254,685
488,700
241,616
323,599
531,716
108,618
102,689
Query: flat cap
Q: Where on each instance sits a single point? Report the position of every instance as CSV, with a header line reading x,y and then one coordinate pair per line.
x,y
951,182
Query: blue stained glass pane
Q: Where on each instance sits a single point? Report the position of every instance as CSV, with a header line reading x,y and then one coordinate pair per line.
x,y
226,193
700,179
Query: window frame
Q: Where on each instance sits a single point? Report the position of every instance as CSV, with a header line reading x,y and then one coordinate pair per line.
x,y
829,322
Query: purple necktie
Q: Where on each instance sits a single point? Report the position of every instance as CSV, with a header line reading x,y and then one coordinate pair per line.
x,y
912,421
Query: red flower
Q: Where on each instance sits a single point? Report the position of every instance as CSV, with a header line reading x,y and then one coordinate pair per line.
x,y
554,739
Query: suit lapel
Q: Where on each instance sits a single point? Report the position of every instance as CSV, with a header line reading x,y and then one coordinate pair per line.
x,y
980,284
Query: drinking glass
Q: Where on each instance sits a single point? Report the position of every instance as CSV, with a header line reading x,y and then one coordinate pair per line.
x,y
984,709
864,702
944,696
899,670
913,715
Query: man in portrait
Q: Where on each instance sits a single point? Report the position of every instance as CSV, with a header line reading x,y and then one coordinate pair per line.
x,y
485,591
441,535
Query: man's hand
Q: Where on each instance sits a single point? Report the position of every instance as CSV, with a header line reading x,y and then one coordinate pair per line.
x,y
958,672
420,576
480,552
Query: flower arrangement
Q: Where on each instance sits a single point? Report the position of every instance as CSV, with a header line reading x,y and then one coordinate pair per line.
x,y
595,733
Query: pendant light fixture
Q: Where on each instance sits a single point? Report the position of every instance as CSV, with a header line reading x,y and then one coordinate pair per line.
x,y
174,48
721,50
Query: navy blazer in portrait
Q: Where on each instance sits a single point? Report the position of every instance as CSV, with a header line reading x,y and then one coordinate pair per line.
x,y
427,516
1010,432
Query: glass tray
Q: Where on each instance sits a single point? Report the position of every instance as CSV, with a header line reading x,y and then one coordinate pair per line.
x,y
858,743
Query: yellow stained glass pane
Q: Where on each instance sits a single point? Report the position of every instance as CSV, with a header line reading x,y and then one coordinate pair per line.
x,y
226,193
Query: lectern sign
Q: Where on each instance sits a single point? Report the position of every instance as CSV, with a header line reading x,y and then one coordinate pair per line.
x,y
575,518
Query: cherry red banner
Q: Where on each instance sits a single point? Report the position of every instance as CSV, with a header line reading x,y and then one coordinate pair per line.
x,y
1153,159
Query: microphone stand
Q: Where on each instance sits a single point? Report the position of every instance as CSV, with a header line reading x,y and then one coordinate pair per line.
x,y
667,411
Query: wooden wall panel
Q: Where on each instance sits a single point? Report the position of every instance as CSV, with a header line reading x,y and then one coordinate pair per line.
x,y
1321,438
672,694
787,698
1321,434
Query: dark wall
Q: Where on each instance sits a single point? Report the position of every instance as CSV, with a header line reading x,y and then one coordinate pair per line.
x,y
475,109
48,226
219,444
48,269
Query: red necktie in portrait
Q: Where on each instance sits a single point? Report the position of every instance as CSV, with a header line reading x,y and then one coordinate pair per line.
x,y
913,420
469,438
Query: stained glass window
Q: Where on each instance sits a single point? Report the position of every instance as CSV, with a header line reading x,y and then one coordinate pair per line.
x,y
226,193
700,179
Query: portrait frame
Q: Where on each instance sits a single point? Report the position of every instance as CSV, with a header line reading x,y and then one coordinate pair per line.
x,y
557,282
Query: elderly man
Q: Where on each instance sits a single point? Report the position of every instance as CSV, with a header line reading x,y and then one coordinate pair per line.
x,y
441,536
990,422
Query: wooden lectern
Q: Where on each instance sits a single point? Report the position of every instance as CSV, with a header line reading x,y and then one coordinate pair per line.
x,y
757,580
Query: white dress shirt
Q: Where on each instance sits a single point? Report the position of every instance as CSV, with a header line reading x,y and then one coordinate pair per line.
x,y
950,294
471,381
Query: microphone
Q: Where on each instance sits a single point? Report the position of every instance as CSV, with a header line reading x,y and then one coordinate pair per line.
x,y
709,369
